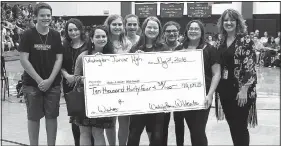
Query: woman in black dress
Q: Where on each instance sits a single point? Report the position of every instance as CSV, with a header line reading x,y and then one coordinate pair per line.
x,y
74,43
237,87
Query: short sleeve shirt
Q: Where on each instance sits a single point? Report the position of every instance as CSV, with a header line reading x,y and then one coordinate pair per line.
x,y
42,51
211,57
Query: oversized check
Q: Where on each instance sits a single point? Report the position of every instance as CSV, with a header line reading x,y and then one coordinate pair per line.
x,y
127,84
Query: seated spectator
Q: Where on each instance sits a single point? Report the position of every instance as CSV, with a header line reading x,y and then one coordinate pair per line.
x,y
9,15
252,34
211,41
277,39
258,46
62,35
30,9
3,29
271,52
264,39
25,12
257,33
218,40
8,41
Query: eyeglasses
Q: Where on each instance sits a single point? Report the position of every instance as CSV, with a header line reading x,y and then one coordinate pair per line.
x,y
171,31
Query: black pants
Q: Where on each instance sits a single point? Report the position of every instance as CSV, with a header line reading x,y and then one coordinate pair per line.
x,y
237,120
268,57
196,121
137,124
179,128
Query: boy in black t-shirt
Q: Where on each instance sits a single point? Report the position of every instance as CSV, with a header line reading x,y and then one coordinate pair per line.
x,y
41,57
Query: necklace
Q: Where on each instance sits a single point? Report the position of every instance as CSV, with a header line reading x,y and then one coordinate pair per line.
x,y
44,44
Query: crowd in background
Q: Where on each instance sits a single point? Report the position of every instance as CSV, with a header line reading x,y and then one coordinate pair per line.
x,y
18,18
15,19
267,47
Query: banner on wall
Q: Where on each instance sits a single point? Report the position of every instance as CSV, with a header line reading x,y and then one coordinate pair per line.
x,y
171,10
199,10
128,84
145,10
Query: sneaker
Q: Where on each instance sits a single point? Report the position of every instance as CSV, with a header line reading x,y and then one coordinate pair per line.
x,y
269,66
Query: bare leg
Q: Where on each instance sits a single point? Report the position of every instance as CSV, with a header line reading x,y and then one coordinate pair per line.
x,y
33,132
51,128
111,134
123,131
98,134
257,57
85,135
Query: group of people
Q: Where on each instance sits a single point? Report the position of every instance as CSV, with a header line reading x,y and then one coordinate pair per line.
x,y
229,74
267,49
14,20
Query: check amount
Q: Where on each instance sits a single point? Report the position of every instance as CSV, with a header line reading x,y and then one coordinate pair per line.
x,y
146,87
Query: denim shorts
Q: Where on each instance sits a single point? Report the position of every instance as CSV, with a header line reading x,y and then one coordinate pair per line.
x,y
40,104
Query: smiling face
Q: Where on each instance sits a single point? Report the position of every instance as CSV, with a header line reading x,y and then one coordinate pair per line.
x,y
194,31
229,24
99,39
151,29
73,31
116,26
171,33
132,25
44,17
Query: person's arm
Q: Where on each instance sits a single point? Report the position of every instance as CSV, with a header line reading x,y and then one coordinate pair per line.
x,y
64,72
78,71
24,49
12,42
248,75
216,71
27,66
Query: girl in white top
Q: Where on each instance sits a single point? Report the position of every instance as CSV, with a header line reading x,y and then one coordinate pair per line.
x,y
117,38
265,38
120,44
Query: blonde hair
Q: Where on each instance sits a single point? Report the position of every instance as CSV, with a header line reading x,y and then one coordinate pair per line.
x,y
241,27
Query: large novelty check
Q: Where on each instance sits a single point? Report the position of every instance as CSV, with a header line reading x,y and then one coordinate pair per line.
x,y
128,84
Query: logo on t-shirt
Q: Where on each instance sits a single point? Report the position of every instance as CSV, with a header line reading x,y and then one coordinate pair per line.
x,y
42,47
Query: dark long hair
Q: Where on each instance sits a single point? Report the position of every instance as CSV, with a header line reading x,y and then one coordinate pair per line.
x,y
186,41
107,49
269,40
80,27
142,40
